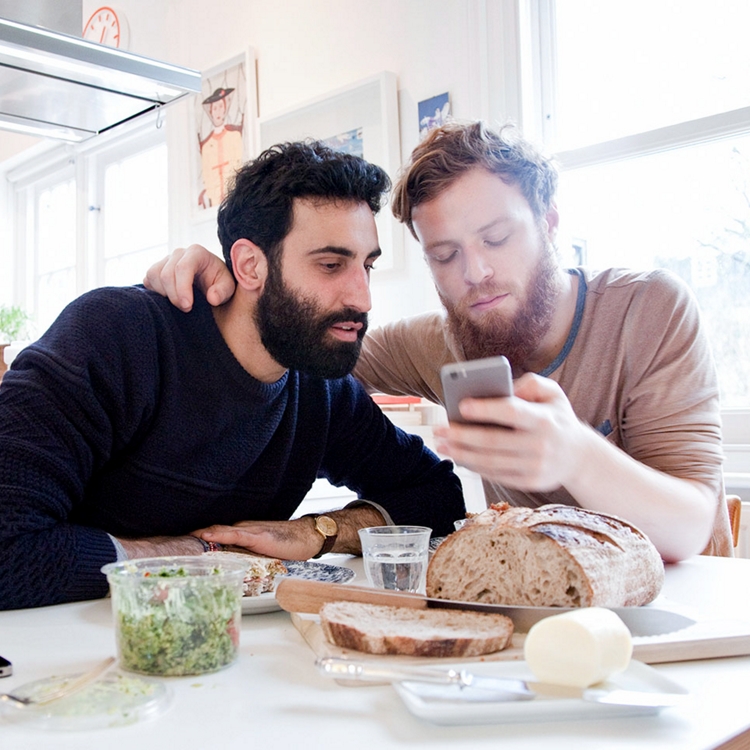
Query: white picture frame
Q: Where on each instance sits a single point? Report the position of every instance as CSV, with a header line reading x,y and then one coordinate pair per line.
x,y
365,114
214,159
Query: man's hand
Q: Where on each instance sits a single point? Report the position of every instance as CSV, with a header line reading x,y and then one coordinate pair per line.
x,y
296,539
535,446
173,277
288,540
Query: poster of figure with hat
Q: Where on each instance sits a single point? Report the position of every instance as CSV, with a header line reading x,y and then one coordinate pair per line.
x,y
221,131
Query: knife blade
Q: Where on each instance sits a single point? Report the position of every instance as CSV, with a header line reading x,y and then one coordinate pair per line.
x,y
301,595
492,688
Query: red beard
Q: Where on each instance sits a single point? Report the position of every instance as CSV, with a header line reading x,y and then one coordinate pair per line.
x,y
518,338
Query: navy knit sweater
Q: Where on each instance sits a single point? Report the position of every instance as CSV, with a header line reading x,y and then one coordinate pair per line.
x,y
131,418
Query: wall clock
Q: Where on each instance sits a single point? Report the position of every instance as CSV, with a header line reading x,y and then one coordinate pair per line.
x,y
107,26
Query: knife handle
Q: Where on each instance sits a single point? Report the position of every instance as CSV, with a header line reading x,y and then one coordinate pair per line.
x,y
300,595
356,670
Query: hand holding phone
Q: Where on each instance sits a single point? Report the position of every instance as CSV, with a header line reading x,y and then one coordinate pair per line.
x,y
479,378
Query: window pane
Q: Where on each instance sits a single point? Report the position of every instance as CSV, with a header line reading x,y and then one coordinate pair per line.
x,y
687,210
135,203
624,68
55,240
54,291
131,268
56,227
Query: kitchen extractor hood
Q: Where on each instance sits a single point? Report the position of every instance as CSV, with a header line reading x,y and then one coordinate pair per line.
x,y
61,86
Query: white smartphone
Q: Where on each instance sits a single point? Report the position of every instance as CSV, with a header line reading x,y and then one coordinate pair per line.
x,y
478,378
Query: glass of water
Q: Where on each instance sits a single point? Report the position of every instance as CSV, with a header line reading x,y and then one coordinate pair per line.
x,y
396,556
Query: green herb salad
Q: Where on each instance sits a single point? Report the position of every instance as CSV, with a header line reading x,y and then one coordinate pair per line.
x,y
178,615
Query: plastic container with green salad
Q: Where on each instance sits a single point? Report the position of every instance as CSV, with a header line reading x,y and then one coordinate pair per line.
x,y
176,615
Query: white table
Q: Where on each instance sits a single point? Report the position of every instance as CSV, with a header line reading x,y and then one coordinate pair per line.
x,y
273,696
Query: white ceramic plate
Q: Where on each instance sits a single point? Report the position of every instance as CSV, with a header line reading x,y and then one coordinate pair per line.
x,y
314,571
450,705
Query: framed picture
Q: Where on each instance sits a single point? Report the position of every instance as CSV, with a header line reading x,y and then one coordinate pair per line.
x,y
433,112
223,129
360,119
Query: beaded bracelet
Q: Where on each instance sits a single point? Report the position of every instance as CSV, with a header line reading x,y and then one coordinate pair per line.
x,y
209,546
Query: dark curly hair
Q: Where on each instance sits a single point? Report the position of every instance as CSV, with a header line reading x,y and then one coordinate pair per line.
x,y
454,148
259,205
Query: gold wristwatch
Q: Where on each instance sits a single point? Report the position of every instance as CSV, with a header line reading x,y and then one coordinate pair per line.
x,y
328,529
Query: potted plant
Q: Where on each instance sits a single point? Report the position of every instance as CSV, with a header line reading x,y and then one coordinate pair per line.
x,y
13,322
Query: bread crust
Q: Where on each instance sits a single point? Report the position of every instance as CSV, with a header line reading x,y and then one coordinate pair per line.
x,y
555,555
378,629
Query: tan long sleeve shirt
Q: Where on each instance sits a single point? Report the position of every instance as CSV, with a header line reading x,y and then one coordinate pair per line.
x,y
636,366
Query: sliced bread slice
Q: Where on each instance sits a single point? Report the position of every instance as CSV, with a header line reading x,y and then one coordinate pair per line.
x,y
377,629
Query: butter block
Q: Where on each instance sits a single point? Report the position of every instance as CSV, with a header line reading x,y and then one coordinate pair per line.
x,y
578,648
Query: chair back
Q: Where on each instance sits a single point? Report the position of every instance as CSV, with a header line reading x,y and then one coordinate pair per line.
x,y
734,506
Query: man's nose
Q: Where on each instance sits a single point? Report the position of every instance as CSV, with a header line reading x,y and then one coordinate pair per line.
x,y
357,291
476,267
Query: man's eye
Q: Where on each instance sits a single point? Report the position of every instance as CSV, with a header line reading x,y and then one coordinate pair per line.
x,y
492,242
443,259
370,267
333,266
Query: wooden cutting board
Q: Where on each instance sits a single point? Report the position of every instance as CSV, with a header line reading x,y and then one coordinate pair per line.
x,y
704,640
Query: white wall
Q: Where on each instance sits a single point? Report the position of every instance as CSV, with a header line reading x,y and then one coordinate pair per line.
x,y
307,48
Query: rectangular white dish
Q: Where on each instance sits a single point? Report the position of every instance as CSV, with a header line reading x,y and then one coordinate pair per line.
x,y
452,705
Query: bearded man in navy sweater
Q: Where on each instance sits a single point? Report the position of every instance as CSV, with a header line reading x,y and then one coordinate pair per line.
x,y
131,429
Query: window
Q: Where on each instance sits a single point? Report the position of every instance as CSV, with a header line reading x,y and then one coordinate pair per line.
x,y
632,67
88,216
54,244
647,106
134,215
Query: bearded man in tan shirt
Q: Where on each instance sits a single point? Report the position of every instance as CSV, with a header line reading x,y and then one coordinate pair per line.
x,y
615,404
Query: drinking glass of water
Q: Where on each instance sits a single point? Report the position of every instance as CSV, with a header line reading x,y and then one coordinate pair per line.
x,y
396,556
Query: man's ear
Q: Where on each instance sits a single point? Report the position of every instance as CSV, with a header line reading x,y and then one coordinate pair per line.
x,y
552,222
249,264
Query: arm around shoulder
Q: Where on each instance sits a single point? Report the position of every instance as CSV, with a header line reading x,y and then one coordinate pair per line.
x,y
175,275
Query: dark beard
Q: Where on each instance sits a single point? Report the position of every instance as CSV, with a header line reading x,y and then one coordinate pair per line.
x,y
295,331
519,338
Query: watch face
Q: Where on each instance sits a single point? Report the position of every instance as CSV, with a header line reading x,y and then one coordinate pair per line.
x,y
327,525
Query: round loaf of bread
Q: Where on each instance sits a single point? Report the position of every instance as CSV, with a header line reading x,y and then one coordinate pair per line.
x,y
378,629
552,556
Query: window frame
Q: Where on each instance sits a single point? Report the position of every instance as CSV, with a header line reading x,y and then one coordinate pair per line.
x,y
537,68
43,167
141,139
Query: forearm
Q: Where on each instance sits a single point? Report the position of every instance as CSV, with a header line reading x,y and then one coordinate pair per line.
x,y
549,447
675,513
296,539
60,563
158,546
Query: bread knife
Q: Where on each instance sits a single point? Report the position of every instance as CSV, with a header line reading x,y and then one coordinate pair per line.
x,y
474,687
301,595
